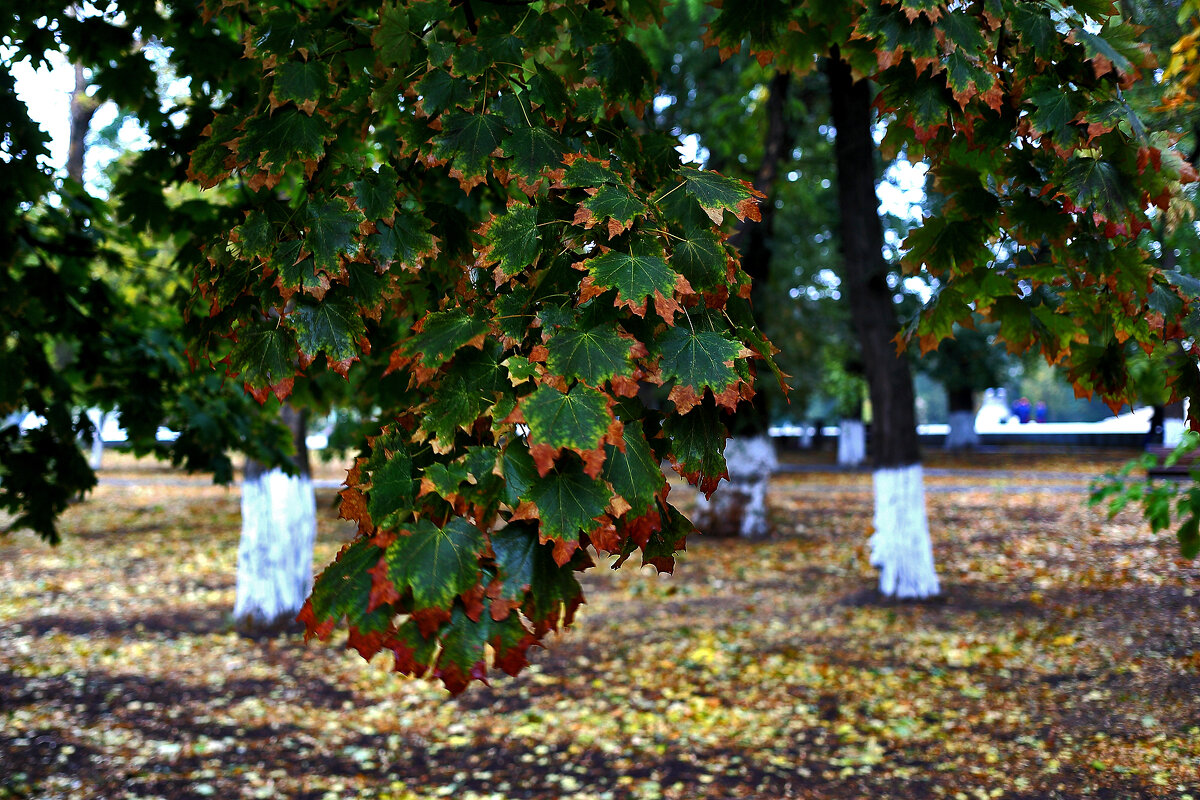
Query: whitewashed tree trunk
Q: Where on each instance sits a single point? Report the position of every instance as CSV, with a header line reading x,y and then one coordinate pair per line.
x,y
852,443
275,554
739,507
962,434
98,419
901,547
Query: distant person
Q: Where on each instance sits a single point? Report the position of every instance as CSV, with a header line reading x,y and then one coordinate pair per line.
x,y
1040,412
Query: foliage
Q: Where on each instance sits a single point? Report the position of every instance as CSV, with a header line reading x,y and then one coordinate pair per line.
x,y
1062,660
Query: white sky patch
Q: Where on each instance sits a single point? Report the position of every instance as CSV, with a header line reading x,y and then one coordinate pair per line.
x,y
902,191
690,150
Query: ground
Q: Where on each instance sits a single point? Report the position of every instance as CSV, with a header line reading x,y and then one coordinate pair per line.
x,y
1062,661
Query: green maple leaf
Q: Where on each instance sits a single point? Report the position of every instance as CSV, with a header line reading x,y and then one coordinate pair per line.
x,y
208,162
568,504
300,81
759,21
1054,109
593,355
700,258
406,241
343,588
548,90
616,202
436,564
375,192
365,284
295,270
715,192
443,333
256,236
1098,184
264,354
468,140
698,445
530,151
393,38
513,239
519,472
578,419
439,91
585,172
468,390
272,142
1034,25
283,33
634,276
390,486
517,552
332,227
623,69
332,327
699,358
961,72
634,474
962,30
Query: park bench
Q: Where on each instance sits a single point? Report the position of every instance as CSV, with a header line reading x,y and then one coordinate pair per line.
x,y
1180,470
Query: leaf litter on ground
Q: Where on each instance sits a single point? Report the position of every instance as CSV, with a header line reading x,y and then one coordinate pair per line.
x,y
1062,660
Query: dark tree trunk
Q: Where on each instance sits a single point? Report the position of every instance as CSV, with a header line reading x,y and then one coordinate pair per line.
x,y
83,108
900,546
894,432
961,398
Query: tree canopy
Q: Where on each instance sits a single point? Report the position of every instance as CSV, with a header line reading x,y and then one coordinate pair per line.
x,y
470,202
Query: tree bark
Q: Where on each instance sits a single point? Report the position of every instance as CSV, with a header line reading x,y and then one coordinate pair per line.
x,y
83,108
961,405
900,546
279,527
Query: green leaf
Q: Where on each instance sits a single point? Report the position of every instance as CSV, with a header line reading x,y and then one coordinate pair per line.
x,y
635,277
1099,185
443,333
393,39
466,393
699,359
390,487
332,327
294,271
288,136
1035,27
517,553
615,202
468,140
634,474
698,446
375,192
701,259
343,588
586,172
593,355
715,192
439,91
568,503
406,241
623,69
548,90
264,354
284,33
1053,110
513,240
530,151
256,236
437,564
331,228
300,81
578,419
519,472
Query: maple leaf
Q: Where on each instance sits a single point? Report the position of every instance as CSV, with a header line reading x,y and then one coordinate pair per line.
x,y
615,203
531,151
467,142
375,192
300,82
593,355
341,590
444,332
634,472
389,482
698,446
569,503
716,193
271,143
700,257
264,356
699,359
467,391
512,239
635,276
332,327
406,241
436,564
577,419
331,227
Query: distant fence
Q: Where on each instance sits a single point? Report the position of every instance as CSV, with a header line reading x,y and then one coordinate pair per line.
x,y
1046,434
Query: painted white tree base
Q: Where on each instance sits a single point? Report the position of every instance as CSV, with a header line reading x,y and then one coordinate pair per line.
x,y
279,527
962,435
901,547
852,443
739,507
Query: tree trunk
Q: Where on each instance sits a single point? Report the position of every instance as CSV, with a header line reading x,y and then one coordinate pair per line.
x,y
962,434
738,508
279,527
83,108
852,443
900,547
